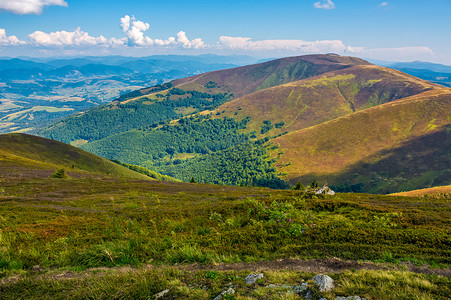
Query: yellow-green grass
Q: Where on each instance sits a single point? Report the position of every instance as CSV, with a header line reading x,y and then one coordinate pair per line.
x,y
50,109
41,153
145,283
312,101
437,191
367,136
96,221
248,79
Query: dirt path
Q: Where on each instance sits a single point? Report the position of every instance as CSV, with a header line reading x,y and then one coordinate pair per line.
x,y
330,265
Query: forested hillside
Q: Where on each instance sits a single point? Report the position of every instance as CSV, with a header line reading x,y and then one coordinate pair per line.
x,y
219,127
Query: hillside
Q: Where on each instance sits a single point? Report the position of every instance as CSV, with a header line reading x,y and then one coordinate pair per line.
x,y
401,145
197,151
110,237
312,101
197,128
434,192
248,79
206,91
21,152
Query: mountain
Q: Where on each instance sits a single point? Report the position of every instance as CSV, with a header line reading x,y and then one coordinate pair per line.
x,y
421,65
255,124
396,146
27,152
248,79
16,63
205,91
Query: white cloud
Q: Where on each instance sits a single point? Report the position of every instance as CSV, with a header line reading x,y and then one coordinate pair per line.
x,y
186,43
9,40
324,4
70,38
244,43
23,7
385,3
134,31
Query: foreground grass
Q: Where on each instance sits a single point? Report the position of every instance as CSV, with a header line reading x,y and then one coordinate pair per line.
x,y
146,283
106,222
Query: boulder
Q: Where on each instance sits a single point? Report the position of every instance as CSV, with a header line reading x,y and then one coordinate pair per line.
x,y
229,291
252,278
324,282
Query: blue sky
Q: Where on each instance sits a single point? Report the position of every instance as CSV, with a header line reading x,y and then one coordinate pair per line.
x,y
397,30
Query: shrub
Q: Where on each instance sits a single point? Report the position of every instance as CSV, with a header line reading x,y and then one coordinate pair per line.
x,y
61,173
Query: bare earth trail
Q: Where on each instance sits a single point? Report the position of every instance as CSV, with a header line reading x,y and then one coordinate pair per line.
x,y
329,265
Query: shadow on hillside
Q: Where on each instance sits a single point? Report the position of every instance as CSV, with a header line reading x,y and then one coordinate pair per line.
x,y
420,163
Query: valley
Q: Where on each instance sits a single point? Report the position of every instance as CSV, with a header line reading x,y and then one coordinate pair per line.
x,y
37,92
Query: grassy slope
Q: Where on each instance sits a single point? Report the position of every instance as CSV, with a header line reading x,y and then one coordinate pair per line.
x,y
76,224
429,192
312,101
371,137
248,79
41,153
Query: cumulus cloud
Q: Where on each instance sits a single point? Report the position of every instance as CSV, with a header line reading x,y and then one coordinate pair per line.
x,y
244,43
134,32
9,40
324,4
186,43
23,7
70,38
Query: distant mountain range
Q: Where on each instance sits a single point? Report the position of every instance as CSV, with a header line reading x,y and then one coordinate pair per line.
x,y
436,73
35,92
334,119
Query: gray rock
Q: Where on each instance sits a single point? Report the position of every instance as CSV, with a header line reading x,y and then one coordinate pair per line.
x,y
36,268
300,288
161,294
229,291
324,282
325,190
252,278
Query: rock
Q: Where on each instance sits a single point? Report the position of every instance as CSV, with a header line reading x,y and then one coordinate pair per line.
x,y
252,278
229,291
36,268
300,288
324,282
325,190
161,294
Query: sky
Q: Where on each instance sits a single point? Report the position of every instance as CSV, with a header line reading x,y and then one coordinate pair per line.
x,y
392,30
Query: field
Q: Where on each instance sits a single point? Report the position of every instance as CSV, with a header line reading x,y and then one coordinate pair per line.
x,y
108,237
